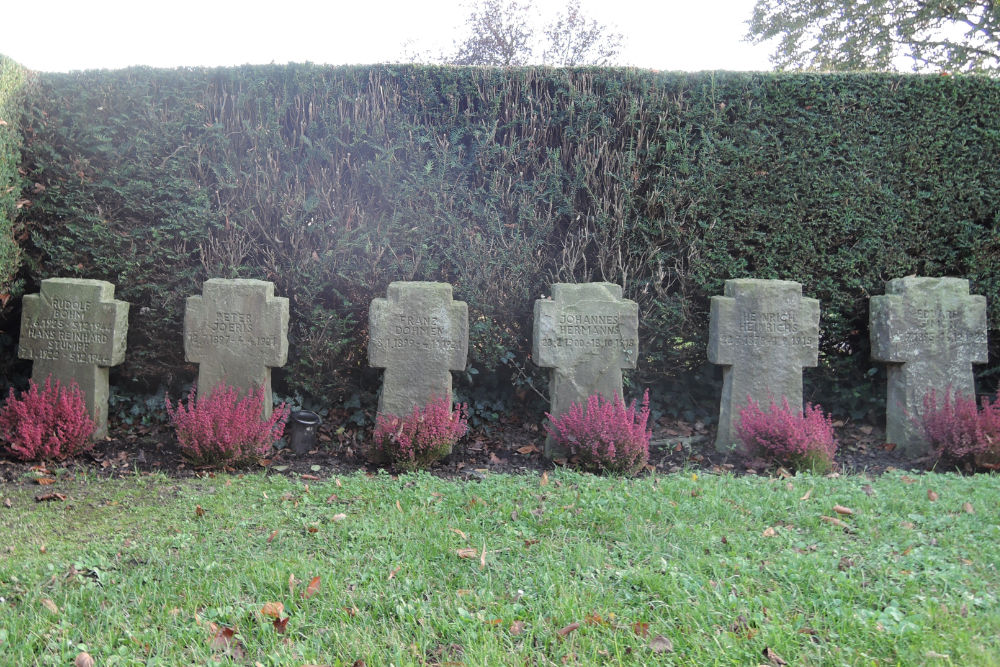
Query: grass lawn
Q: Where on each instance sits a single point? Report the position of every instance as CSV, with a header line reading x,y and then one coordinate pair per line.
x,y
566,569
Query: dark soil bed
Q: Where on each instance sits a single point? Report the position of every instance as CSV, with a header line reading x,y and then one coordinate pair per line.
x,y
506,447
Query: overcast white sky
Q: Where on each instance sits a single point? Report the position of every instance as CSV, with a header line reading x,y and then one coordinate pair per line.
x,y
61,35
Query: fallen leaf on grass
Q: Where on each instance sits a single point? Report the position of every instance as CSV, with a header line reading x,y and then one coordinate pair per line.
x,y
640,628
482,558
398,506
392,575
516,628
932,495
272,609
840,509
7,503
312,589
468,552
459,533
199,511
50,605
807,494
338,517
44,481
772,657
83,659
769,532
313,529
224,640
41,498
280,624
660,644
562,632
544,480
966,507
274,534
836,522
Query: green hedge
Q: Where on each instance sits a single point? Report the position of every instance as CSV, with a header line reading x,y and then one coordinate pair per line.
x,y
12,81
332,182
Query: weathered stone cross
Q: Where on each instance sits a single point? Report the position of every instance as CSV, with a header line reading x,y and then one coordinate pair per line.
x,y
586,333
74,330
930,331
236,330
763,332
418,335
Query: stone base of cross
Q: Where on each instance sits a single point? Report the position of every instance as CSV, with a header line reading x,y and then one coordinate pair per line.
x,y
930,331
74,330
419,335
763,332
236,330
586,333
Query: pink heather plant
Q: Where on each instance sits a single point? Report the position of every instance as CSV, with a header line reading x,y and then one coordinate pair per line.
x,y
803,441
49,424
959,430
422,437
223,429
605,436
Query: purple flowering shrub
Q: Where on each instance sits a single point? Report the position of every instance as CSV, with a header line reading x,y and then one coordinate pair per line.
x,y
51,423
606,435
420,438
960,430
805,442
224,429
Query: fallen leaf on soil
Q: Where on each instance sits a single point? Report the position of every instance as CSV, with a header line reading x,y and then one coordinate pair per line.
x,y
469,552
840,509
931,495
309,477
311,589
83,659
562,632
44,481
807,494
516,628
527,449
50,605
966,507
272,609
660,644
49,496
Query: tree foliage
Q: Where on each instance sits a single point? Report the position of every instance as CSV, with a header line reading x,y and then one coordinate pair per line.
x,y
501,33
845,35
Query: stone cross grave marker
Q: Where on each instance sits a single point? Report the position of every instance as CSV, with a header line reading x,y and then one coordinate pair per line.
x,y
74,329
418,335
236,330
586,333
763,332
930,331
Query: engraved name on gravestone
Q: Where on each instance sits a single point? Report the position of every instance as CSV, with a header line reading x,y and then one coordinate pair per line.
x,y
586,334
236,330
930,331
74,330
418,334
763,332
